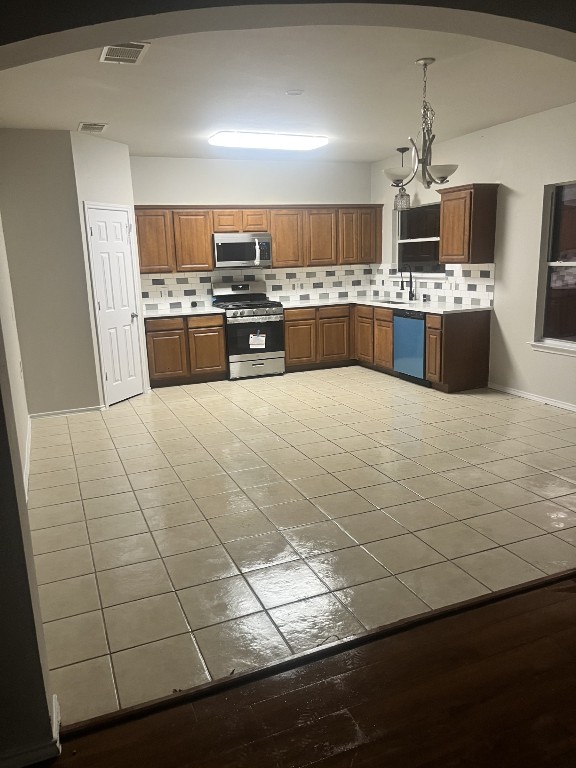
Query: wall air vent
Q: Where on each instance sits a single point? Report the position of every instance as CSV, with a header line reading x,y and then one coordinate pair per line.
x,y
92,127
124,53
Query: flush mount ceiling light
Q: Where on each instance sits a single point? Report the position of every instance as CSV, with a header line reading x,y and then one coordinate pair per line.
x,y
252,140
422,165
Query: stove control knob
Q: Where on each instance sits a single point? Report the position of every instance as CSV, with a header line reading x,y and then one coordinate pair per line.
x,y
242,312
235,313
254,312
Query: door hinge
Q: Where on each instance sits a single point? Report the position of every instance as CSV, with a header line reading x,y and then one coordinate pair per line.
x,y
98,306
91,232
106,375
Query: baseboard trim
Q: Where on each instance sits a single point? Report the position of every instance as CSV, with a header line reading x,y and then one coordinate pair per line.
x,y
530,396
68,412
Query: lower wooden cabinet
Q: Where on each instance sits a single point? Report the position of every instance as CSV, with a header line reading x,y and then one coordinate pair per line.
x,y
167,350
364,334
316,336
458,350
384,338
183,349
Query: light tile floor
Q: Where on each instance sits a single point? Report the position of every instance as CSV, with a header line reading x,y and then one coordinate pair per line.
x,y
199,531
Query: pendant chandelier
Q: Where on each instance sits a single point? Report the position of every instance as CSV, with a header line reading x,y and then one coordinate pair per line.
x,y
421,165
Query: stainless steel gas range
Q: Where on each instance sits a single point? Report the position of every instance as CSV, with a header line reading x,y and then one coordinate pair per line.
x,y
254,329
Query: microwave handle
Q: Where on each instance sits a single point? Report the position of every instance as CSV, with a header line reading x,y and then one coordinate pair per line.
x,y
257,259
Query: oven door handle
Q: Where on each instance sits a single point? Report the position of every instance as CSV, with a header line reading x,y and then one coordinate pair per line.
x,y
257,259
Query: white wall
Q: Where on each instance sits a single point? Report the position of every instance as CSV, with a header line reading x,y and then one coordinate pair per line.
x,y
523,156
190,181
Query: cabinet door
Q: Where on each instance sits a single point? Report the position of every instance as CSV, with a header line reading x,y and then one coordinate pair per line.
x,y
433,355
193,238
167,355
455,226
155,240
333,337
348,236
226,221
207,350
366,236
383,344
365,340
286,228
300,342
320,237
255,220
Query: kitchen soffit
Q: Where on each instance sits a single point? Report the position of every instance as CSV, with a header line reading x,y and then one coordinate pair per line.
x,y
360,88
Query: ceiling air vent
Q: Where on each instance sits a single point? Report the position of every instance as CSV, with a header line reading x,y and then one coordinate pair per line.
x,y
92,127
124,53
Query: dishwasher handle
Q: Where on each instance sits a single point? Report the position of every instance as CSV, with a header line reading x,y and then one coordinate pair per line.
x,y
412,313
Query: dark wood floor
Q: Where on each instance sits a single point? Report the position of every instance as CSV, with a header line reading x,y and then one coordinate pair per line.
x,y
494,686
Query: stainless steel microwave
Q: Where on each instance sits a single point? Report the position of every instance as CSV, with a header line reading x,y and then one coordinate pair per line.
x,y
242,249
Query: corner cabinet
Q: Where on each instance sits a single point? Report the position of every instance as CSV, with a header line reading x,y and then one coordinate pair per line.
x,y
468,224
155,232
186,349
458,350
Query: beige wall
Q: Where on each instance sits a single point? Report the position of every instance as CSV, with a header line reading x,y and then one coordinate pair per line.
x,y
11,373
39,204
523,156
191,181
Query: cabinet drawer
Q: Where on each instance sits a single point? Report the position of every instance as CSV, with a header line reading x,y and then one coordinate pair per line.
x,y
434,321
299,314
165,324
363,311
205,321
387,315
340,311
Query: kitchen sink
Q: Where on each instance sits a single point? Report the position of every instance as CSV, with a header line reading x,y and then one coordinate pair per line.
x,y
388,301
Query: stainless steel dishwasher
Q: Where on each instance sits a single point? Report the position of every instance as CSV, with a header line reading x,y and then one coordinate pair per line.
x,y
409,348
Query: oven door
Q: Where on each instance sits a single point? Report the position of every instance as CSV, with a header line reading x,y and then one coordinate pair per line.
x,y
253,336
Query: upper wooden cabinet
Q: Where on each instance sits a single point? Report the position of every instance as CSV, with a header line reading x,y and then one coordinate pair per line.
x,y
359,235
240,220
286,228
468,224
193,239
180,239
320,227
155,240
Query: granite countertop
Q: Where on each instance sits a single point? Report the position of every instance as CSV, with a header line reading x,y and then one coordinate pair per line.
x,y
418,306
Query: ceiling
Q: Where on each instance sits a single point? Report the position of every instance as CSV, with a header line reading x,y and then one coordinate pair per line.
x,y
360,87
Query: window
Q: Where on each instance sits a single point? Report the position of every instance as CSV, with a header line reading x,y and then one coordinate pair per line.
x,y
560,303
418,239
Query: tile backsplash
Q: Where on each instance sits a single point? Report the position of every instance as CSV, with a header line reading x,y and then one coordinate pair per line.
x,y
465,285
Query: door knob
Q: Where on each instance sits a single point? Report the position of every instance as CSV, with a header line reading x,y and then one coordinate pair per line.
x,y
133,315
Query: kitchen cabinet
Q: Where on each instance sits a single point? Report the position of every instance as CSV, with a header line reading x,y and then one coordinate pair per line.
x,y
287,230
333,334
193,240
315,337
167,350
300,336
207,345
240,220
458,350
320,228
364,334
155,235
359,235
182,350
383,338
180,239
468,224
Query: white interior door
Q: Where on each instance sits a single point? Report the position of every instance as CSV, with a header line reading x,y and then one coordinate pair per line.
x,y
114,279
